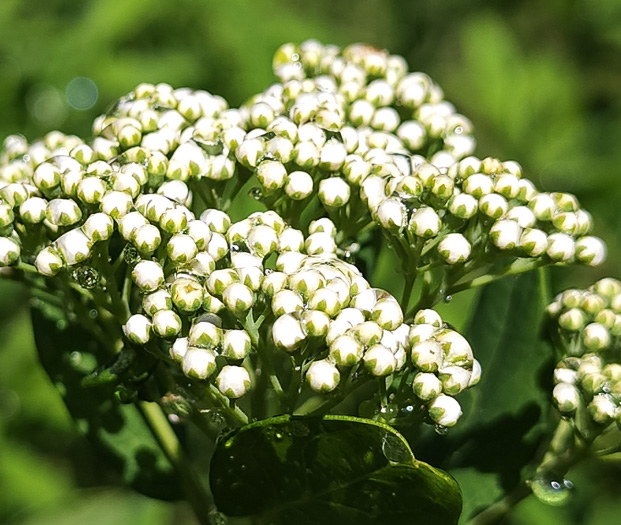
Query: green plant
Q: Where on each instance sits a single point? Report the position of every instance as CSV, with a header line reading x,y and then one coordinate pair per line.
x,y
184,322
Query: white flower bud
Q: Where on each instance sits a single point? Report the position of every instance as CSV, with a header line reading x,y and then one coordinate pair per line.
x,y
325,300
238,298
166,324
561,247
181,248
217,247
250,151
187,294
74,247
98,227
332,155
287,332
412,134
505,234
508,185
205,334
334,192
596,336
299,185
445,410
323,376
14,194
262,240
233,381
116,204
305,154
478,185
178,349
454,248
32,210
272,175
187,160
63,212
361,112
533,242
391,214
573,319
387,313
522,215
602,408
9,251
346,350
426,386
147,238
475,375
323,225
156,301
493,205
46,176
128,224
368,333
306,282
425,222
463,205
421,332
428,316
315,323
320,243
48,261
290,239
236,344
566,222
454,379
590,251
427,355
176,191
379,360
173,220
138,329
148,276
6,212
199,363
543,206
457,350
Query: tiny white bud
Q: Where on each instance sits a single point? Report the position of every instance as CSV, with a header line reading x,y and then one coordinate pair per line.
x,y
391,214
116,204
534,242
74,247
421,332
128,224
561,247
596,336
262,240
478,185
236,344
178,349
566,397
493,205
32,210
320,243
166,324
543,206
334,192
287,332
346,350
602,408
426,386
181,248
387,313
9,251
187,294
299,185
147,238
445,410
63,212
199,363
48,261
250,151
332,155
573,319
454,379
155,301
173,220
138,329
428,316
522,215
238,298
457,350
323,376
454,248
463,205
590,251
233,381
205,334
315,323
427,355
505,234
379,360
98,227
325,300
272,175
425,222
148,276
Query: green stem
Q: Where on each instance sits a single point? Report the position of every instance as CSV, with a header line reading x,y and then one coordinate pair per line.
x,y
196,494
494,513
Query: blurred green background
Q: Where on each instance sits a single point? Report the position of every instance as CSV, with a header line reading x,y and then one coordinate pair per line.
x,y
541,82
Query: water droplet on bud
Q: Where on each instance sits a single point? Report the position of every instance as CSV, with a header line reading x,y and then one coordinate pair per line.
x,y
440,430
555,492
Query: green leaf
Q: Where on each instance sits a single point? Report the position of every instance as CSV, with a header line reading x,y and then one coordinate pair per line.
x,y
333,470
505,414
119,432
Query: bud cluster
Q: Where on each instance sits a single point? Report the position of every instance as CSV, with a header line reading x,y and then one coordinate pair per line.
x,y
586,326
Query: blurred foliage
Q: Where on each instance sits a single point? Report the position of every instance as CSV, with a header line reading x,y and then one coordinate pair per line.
x,y
540,81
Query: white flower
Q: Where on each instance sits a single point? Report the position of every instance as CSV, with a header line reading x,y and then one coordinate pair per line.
x,y
205,334
98,227
412,134
173,220
346,350
361,112
176,191
148,276
181,248
428,316
178,349
534,242
199,363
332,155
368,333
325,300
187,294
48,261
217,247
236,344
391,214
590,251
379,360
566,397
493,205
561,247
454,379
305,154
166,323
425,222
46,176
233,381
323,376
138,329
9,251
319,243
463,205
478,185
454,248
505,234
262,240
287,332
426,386
187,160
272,175
290,239
74,247
387,313
238,298
250,151
147,238
427,355
286,302
334,192
573,319
445,410
596,336
128,224
116,204
63,212
299,185
315,323
543,206
602,408
155,301
457,350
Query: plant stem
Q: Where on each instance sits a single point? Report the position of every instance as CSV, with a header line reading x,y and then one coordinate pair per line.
x,y
494,513
196,494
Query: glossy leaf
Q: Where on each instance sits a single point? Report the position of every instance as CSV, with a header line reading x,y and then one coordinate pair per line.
x,y
119,432
333,470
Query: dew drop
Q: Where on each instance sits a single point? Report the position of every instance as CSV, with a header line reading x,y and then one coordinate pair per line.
x,y
255,193
555,492
448,298
93,314
393,449
86,277
407,410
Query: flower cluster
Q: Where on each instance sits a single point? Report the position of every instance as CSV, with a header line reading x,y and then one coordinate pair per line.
x,y
587,326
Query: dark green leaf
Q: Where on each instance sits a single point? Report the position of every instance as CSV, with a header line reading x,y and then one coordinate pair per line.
x,y
333,470
118,431
504,415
